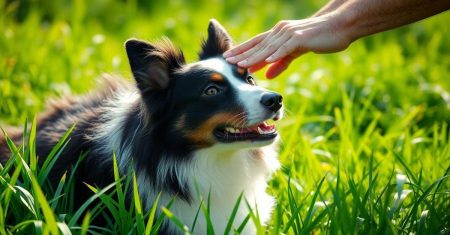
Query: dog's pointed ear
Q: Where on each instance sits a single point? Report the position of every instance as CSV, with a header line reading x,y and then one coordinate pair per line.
x,y
149,71
152,65
218,41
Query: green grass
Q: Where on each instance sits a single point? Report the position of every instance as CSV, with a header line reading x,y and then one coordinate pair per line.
x,y
365,141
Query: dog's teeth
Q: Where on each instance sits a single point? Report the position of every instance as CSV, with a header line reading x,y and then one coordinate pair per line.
x,y
260,131
269,131
232,130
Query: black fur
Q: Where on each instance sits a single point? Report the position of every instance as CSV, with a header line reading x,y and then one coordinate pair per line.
x,y
217,43
156,126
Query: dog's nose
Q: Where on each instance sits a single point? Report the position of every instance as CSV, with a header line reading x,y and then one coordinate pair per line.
x,y
272,100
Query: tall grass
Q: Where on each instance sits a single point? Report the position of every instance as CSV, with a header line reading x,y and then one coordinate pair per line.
x,y
365,141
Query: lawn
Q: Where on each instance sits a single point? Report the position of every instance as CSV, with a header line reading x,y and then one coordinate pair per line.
x,y
365,140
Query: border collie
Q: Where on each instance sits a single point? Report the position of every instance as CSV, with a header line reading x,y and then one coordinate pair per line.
x,y
191,131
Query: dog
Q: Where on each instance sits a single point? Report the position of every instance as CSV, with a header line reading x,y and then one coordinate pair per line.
x,y
194,133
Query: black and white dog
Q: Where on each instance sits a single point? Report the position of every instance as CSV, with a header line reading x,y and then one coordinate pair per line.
x,y
192,131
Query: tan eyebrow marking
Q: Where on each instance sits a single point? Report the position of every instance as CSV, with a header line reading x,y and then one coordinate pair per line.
x,y
217,77
241,71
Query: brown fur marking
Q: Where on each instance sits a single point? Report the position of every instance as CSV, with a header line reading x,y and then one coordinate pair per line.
x,y
241,71
216,77
203,134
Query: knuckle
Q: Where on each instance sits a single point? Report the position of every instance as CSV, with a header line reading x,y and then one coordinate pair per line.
x,y
251,59
275,56
284,48
287,28
284,30
280,25
258,46
298,34
271,47
240,56
284,22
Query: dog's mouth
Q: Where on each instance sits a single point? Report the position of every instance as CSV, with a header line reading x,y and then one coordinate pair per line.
x,y
259,132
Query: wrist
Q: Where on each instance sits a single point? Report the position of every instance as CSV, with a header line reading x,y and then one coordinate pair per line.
x,y
342,27
347,27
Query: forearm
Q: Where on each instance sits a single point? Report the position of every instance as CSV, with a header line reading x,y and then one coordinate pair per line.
x,y
366,17
329,7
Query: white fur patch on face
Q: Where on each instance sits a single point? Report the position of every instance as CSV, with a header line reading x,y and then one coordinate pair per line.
x,y
249,96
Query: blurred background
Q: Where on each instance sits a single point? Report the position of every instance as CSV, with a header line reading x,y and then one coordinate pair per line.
x,y
49,48
386,98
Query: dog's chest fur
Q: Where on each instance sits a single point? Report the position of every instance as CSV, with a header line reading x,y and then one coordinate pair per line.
x,y
218,177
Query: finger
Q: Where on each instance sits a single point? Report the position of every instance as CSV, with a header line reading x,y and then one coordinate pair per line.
x,y
280,31
290,48
255,49
243,56
272,45
245,45
257,67
278,67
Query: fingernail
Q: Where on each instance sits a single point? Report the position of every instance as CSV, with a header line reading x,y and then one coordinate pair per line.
x,y
269,59
243,63
226,54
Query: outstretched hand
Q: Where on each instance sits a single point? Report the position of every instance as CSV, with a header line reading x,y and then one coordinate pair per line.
x,y
288,40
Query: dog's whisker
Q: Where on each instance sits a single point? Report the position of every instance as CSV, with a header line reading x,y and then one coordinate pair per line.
x,y
236,118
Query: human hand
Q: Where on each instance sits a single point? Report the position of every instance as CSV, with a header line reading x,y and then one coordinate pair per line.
x,y
288,40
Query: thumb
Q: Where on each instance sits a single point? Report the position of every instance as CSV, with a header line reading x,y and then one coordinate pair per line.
x,y
278,67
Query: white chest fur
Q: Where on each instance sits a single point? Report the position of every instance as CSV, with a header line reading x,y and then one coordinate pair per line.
x,y
222,174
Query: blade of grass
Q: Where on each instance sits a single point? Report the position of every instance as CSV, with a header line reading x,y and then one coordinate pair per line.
x,y
86,204
32,147
53,156
161,218
120,216
309,214
85,224
175,220
57,195
243,224
151,217
50,219
137,203
233,214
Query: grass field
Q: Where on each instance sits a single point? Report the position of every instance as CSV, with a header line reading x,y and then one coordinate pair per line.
x,y
365,142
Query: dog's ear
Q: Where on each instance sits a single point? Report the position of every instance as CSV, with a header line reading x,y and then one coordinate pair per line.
x,y
218,41
153,65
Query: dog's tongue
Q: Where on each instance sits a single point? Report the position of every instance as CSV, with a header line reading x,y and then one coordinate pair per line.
x,y
262,128
266,127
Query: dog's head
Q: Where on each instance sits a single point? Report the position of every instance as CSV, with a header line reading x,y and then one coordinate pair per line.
x,y
204,103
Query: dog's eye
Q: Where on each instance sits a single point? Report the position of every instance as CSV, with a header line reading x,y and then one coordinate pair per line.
x,y
211,91
251,80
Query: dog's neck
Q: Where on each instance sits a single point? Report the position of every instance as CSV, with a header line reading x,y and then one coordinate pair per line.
x,y
219,175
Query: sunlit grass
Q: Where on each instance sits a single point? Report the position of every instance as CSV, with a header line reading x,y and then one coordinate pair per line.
x,y
365,142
